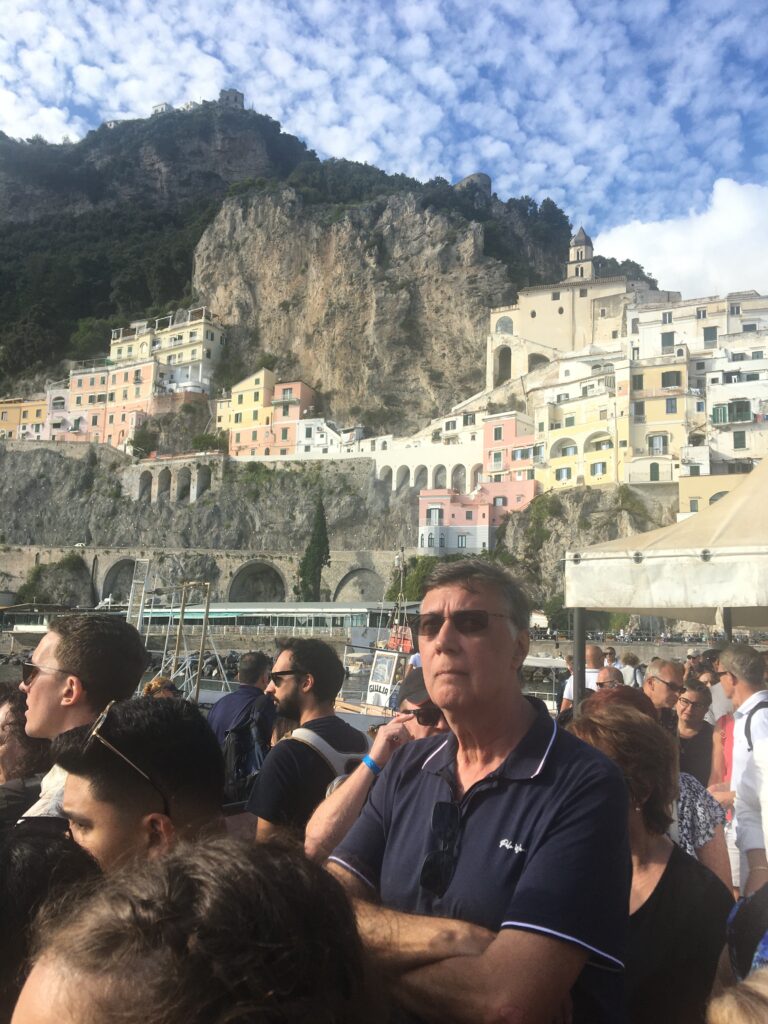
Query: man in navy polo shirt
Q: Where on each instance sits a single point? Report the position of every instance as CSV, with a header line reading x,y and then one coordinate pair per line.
x,y
499,853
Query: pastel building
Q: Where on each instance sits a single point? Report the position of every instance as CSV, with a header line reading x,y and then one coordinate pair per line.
x,y
247,413
10,418
32,415
453,520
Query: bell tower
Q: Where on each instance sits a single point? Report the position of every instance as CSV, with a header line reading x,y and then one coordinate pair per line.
x,y
580,257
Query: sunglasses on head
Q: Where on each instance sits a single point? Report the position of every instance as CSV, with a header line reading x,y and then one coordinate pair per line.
x,y
95,735
429,715
469,622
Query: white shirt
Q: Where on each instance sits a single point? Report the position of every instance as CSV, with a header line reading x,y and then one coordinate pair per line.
x,y
747,775
590,681
51,795
415,660
721,705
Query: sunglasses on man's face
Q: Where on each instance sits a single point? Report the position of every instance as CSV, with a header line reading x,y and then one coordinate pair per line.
x,y
468,623
29,671
428,716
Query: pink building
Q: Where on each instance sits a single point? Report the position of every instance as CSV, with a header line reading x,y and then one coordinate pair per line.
x,y
107,403
283,432
450,521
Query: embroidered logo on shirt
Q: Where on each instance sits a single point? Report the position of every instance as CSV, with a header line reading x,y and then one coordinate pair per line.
x,y
509,845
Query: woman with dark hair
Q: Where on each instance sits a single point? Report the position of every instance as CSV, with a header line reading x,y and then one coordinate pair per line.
x,y
693,733
218,933
23,760
678,908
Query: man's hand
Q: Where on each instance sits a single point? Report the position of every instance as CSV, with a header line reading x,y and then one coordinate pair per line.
x,y
389,738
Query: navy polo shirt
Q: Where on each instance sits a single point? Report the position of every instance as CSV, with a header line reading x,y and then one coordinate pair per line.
x,y
542,847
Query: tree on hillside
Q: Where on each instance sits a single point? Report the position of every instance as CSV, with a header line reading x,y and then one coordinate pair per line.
x,y
315,557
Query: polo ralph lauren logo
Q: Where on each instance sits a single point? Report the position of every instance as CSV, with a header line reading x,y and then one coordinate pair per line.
x,y
509,845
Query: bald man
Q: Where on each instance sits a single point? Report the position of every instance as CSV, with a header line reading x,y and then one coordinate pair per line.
x,y
594,661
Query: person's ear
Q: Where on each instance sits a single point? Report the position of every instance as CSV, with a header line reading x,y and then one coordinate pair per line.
x,y
307,683
73,692
160,834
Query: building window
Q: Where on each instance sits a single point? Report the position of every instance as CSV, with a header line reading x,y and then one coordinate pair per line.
x,y
430,540
111,418
442,540
254,435
700,406
671,406
238,417
739,412
285,410
563,474
710,335
598,469
469,514
749,327
582,293
500,502
671,379
658,444
694,506
284,434
757,354
283,451
637,382
562,397
307,431
462,540
666,318
498,433
701,313
695,470
570,421
95,420
635,353
602,311
555,295
468,419
735,309
533,314
739,439
667,341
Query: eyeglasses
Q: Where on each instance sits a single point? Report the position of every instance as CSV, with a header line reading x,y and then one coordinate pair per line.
x,y
721,674
692,703
429,715
469,622
612,685
672,686
439,865
29,670
95,734
276,677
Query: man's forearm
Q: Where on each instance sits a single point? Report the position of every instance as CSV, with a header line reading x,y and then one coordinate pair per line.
x,y
401,942
336,815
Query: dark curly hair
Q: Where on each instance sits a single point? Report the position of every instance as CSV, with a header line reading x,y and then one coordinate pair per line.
x,y
35,757
222,932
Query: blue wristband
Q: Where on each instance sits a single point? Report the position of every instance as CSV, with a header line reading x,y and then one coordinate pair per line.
x,y
370,763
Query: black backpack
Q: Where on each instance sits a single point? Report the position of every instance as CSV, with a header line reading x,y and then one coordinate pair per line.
x,y
244,750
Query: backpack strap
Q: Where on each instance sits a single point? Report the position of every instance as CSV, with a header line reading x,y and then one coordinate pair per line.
x,y
748,724
335,759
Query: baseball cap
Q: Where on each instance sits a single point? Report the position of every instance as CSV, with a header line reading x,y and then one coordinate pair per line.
x,y
412,688
692,652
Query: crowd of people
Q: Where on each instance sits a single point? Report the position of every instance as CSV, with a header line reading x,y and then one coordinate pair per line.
x,y
474,860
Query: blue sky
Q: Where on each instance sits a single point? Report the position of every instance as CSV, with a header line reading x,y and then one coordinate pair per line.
x,y
647,122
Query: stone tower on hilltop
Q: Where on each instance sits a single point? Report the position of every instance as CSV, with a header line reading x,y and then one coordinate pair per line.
x,y
580,257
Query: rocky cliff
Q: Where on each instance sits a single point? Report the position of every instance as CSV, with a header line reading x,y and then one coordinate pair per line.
x,y
381,305
49,499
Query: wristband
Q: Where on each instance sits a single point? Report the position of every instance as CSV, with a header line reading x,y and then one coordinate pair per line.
x,y
370,763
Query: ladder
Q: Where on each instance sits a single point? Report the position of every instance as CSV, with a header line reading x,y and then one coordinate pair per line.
x,y
138,588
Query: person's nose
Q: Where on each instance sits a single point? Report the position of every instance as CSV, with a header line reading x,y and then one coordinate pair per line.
x,y
448,637
24,687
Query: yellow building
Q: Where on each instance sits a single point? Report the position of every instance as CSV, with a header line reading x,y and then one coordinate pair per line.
x,y
581,424
10,417
247,413
32,412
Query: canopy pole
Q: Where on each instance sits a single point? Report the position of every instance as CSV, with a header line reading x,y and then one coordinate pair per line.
x,y
728,625
579,657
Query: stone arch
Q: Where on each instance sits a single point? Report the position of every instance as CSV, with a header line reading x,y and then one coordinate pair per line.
x,y
118,579
385,475
257,581
459,479
474,476
403,477
363,585
420,478
502,365
183,484
145,487
597,440
203,482
536,359
556,451
164,484
504,325
439,478
717,497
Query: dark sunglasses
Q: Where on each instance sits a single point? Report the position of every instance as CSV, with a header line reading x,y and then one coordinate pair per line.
x,y
29,670
672,686
95,734
440,864
429,715
469,622
275,677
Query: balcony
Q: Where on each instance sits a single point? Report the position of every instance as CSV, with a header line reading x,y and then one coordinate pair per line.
x,y
638,419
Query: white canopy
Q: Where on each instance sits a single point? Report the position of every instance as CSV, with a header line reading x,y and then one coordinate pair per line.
x,y
715,559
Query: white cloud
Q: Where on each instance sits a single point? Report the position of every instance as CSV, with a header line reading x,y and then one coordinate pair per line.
x,y
718,250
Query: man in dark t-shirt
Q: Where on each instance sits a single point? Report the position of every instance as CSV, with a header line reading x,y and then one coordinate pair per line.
x,y
234,708
305,681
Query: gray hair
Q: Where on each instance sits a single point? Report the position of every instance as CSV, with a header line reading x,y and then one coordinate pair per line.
x,y
471,573
745,663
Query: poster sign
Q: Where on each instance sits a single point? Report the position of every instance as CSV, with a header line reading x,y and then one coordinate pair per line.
x,y
382,678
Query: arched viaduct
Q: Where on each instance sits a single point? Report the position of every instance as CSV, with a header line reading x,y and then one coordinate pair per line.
x,y
250,576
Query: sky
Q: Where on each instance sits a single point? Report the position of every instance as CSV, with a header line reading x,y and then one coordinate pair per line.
x,y
646,122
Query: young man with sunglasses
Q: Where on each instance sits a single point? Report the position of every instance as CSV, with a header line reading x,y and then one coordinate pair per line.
x,y
81,664
499,851
304,682
145,774
418,719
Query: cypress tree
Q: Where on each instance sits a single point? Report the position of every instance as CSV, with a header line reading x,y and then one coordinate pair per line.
x,y
315,557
